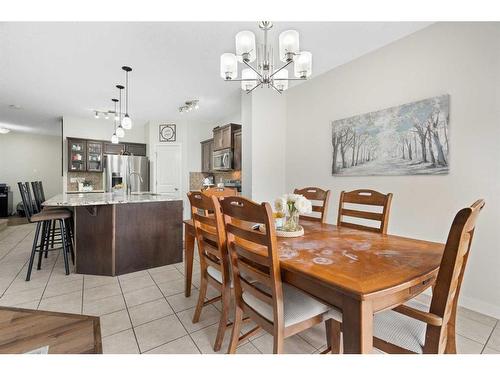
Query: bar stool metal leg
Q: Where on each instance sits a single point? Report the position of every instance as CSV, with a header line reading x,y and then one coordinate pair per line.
x,y
42,244
64,245
33,250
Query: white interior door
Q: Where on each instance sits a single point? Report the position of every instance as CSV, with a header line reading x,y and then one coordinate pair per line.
x,y
169,170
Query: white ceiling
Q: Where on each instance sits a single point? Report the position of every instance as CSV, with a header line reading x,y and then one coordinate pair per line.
x,y
54,69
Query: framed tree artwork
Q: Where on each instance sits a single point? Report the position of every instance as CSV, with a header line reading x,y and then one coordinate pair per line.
x,y
410,139
167,133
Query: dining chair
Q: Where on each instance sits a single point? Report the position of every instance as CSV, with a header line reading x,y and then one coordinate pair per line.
x,y
214,261
220,192
43,220
319,195
369,198
277,307
408,329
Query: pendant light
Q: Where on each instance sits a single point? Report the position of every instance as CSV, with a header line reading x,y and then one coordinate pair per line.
x,y
127,121
114,137
119,130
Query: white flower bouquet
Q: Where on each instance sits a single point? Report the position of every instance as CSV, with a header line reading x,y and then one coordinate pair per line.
x,y
292,205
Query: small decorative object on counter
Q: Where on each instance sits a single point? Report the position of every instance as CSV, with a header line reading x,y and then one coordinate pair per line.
x,y
87,186
292,206
279,219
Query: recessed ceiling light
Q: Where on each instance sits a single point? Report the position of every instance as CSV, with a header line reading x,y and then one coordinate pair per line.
x,y
15,106
4,130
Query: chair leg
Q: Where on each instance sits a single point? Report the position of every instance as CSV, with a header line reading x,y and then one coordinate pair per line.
x,y
333,329
226,300
33,251
201,296
53,233
278,341
235,334
64,246
42,245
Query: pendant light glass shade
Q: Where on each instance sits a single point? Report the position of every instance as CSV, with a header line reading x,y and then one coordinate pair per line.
x,y
248,74
120,132
114,139
228,66
288,43
281,80
127,122
245,44
303,65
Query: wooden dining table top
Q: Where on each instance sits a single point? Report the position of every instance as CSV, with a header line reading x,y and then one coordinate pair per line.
x,y
363,264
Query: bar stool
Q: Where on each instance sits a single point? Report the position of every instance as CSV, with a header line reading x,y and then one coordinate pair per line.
x,y
51,233
43,219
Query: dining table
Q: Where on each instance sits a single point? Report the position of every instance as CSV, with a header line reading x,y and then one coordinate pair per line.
x,y
358,272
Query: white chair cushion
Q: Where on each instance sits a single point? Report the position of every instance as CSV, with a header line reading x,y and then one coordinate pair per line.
x,y
297,306
215,273
401,330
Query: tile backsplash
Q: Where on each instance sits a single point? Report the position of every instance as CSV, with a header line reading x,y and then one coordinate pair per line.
x,y
196,178
95,178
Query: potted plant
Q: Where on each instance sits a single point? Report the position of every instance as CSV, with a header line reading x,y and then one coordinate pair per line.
x,y
292,206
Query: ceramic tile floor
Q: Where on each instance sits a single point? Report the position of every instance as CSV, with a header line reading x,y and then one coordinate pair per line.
x,y
146,311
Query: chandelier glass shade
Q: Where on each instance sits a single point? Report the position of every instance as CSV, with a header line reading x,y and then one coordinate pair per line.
x,y
264,72
126,121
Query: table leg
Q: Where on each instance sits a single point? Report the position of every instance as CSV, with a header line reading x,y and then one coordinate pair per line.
x,y
357,326
188,260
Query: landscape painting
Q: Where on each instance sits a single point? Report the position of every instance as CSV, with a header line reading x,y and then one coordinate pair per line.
x,y
410,139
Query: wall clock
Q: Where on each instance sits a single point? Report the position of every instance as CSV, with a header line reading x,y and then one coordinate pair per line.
x,y
167,133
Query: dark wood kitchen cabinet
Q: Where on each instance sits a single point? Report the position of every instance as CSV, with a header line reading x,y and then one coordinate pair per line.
x,y
206,155
114,148
237,151
137,149
223,136
94,156
77,155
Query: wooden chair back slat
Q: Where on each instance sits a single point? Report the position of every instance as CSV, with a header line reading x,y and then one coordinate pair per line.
x,y
210,233
251,236
220,192
365,197
256,292
254,274
253,254
316,194
450,276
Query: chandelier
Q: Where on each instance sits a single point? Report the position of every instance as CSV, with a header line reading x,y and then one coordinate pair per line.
x,y
264,72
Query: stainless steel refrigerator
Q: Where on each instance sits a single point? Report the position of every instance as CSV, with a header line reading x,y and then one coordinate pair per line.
x,y
132,171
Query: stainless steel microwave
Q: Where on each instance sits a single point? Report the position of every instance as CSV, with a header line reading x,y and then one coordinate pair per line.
x,y
222,160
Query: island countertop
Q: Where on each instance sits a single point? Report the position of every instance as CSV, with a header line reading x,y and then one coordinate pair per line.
x,y
99,199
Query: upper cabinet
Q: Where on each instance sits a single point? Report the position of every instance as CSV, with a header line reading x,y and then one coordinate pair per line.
x,y
237,151
86,155
94,156
137,149
223,136
114,148
77,155
206,155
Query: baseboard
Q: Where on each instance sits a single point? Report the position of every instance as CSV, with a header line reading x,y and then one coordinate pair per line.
x,y
475,305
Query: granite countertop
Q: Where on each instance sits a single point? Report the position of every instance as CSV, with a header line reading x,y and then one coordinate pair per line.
x,y
98,199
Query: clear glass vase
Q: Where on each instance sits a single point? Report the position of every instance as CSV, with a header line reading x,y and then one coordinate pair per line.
x,y
292,222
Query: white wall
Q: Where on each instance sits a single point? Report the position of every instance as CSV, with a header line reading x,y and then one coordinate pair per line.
x,y
460,59
30,157
264,145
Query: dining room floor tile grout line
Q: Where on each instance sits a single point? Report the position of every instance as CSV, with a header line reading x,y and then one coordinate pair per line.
x,y
128,313
20,270
47,283
489,337
16,245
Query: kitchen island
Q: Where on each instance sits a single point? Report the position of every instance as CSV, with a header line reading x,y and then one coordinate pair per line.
x,y
115,234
